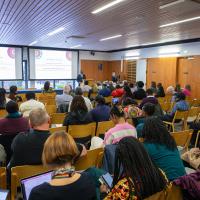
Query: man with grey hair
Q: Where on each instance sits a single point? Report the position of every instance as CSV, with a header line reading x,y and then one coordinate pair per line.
x,y
27,147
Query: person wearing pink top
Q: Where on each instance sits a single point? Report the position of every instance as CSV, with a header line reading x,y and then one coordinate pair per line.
x,y
187,90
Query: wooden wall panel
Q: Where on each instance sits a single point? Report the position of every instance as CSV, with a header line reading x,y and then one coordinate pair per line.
x,y
189,73
163,70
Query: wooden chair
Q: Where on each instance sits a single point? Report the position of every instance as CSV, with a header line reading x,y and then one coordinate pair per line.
x,y
182,138
130,121
21,172
166,106
82,132
56,129
197,139
196,102
193,114
3,113
179,115
93,95
108,100
90,160
3,183
51,109
23,96
102,127
57,118
85,94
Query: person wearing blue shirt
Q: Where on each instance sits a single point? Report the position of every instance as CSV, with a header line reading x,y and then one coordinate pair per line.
x,y
105,91
102,111
180,105
162,148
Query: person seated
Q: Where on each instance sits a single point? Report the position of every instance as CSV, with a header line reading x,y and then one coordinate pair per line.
x,y
105,91
47,88
153,87
111,86
80,77
29,105
13,94
148,110
187,90
88,103
180,105
27,147
59,153
78,113
13,123
149,99
118,92
160,90
64,98
140,93
162,148
132,87
101,112
135,175
122,128
3,99
86,87
127,94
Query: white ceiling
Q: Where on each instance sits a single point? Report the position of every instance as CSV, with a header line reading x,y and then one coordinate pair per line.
x,y
25,21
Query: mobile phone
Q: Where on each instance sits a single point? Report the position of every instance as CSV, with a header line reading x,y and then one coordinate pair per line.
x,y
107,179
115,100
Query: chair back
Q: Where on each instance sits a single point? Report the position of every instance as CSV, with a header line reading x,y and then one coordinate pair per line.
x,y
196,102
90,160
21,172
51,109
57,118
182,138
103,127
193,114
130,121
3,113
181,115
23,96
85,94
166,106
93,95
3,184
82,133
108,99
56,129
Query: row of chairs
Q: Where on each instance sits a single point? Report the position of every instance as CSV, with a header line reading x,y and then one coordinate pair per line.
x,y
92,159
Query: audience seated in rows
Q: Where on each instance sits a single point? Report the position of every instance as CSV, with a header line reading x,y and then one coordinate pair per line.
x,y
86,87
105,91
31,104
101,112
162,148
180,105
13,94
60,152
160,90
135,175
118,92
47,88
88,103
14,122
3,99
78,112
64,99
27,147
149,99
127,94
140,93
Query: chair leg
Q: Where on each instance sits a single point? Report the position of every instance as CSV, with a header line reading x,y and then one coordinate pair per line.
x,y
197,138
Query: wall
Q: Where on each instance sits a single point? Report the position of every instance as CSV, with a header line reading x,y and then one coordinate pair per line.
x,y
141,69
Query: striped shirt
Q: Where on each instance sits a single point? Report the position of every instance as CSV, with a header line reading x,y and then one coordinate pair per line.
x,y
114,135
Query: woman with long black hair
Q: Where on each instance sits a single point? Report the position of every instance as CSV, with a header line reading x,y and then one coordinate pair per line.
x,y
162,148
135,176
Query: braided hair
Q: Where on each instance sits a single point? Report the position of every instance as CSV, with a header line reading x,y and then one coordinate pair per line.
x,y
155,131
133,162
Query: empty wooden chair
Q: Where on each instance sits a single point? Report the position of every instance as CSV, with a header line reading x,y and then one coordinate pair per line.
x,y
57,118
182,138
179,115
51,109
193,114
102,127
56,129
90,160
3,184
21,172
82,133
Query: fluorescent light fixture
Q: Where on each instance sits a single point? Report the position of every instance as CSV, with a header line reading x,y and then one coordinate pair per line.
x,y
169,50
113,3
169,55
132,54
56,31
181,21
79,45
131,57
112,37
171,4
32,43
